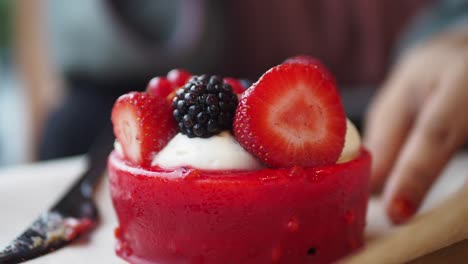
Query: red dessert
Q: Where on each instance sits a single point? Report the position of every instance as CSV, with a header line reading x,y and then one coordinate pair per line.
x,y
290,215
300,207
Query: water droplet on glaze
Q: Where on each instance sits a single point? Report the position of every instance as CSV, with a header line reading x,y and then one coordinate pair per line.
x,y
295,172
293,225
173,248
352,243
349,217
276,254
317,176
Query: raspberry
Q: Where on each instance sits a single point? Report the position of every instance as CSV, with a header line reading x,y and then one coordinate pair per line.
x,y
205,106
178,77
160,86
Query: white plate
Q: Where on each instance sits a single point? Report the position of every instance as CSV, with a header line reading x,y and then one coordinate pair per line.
x,y
26,191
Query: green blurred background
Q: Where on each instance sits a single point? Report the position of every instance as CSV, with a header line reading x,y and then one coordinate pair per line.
x,y
5,24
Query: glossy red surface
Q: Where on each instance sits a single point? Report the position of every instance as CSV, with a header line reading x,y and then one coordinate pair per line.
x,y
290,215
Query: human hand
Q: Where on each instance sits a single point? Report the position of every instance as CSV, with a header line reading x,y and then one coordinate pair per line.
x,y
418,121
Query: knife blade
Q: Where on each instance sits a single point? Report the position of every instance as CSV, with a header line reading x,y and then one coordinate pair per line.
x,y
72,216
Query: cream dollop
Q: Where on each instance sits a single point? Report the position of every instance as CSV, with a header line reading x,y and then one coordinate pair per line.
x,y
222,152
219,152
352,143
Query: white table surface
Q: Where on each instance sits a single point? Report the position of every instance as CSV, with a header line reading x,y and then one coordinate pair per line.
x,y
28,190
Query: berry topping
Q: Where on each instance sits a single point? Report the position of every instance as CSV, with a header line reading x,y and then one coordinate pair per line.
x,y
178,77
143,125
160,86
205,106
292,116
236,85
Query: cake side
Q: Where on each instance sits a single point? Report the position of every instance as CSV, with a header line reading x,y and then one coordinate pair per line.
x,y
293,215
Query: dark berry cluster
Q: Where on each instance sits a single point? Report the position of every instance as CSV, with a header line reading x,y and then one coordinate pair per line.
x,y
205,106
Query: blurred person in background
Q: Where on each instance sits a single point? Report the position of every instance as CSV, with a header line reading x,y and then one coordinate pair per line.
x,y
78,57
91,51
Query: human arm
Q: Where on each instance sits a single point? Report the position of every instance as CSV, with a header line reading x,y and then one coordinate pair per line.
x,y
42,86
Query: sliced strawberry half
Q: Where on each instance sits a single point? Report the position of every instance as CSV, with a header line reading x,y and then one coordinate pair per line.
x,y
292,116
143,124
309,60
236,85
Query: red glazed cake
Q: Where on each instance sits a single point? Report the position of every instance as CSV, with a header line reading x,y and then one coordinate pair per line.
x,y
278,176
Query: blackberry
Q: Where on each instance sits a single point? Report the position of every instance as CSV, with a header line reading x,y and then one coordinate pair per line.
x,y
204,106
